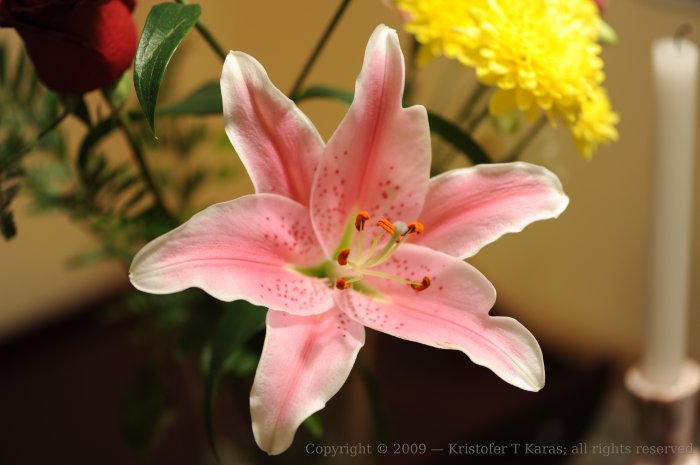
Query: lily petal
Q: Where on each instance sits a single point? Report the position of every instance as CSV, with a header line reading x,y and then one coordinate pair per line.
x,y
452,313
242,249
469,208
304,362
378,159
277,143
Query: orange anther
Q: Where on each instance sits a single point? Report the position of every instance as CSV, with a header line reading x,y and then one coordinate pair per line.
x,y
386,225
360,220
416,227
343,257
342,284
423,285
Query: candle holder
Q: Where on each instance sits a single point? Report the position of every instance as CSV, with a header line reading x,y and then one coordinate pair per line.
x,y
666,417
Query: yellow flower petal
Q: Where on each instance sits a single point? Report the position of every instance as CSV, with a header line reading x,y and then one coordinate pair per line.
x,y
540,54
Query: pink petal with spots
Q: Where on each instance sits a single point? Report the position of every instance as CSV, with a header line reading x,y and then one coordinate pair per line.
x,y
277,143
378,160
450,314
242,249
469,208
304,362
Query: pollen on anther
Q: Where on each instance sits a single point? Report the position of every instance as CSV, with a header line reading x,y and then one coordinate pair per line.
x,y
386,225
416,227
343,257
423,285
360,220
342,284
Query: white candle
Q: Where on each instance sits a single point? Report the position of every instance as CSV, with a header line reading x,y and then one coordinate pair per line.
x,y
675,64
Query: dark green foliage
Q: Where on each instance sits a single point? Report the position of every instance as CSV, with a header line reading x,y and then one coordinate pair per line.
x,y
206,100
28,117
166,26
239,323
7,225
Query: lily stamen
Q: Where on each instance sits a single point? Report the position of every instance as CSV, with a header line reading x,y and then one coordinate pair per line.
x,y
363,263
388,250
343,257
386,225
381,274
423,285
415,227
372,249
360,220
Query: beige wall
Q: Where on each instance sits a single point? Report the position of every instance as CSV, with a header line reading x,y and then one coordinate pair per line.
x,y
578,282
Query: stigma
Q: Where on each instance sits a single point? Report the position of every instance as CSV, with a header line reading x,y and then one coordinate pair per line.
x,y
358,263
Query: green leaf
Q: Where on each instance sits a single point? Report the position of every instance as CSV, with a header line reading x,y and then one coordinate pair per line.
x,y
242,362
81,112
314,426
448,131
7,225
121,185
459,139
239,322
6,196
325,92
75,104
92,138
166,26
49,109
134,199
206,100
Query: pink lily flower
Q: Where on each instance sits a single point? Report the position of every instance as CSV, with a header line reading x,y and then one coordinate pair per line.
x,y
323,245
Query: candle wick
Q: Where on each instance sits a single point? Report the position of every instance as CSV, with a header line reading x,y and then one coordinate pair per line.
x,y
682,31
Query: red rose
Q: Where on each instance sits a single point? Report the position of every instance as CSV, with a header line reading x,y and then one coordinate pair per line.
x,y
76,45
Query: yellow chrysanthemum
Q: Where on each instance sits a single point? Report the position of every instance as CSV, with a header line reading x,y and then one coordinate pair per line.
x,y
595,124
539,54
436,25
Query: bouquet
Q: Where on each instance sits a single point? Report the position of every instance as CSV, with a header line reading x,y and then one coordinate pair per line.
x,y
339,235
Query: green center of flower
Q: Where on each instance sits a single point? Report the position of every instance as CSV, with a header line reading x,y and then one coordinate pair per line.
x,y
356,262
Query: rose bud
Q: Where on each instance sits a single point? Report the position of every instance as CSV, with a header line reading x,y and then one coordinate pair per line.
x,y
76,45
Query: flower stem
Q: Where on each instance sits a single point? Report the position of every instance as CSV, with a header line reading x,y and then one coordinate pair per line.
x,y
476,121
207,36
444,156
474,98
526,140
137,151
317,50
6,161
